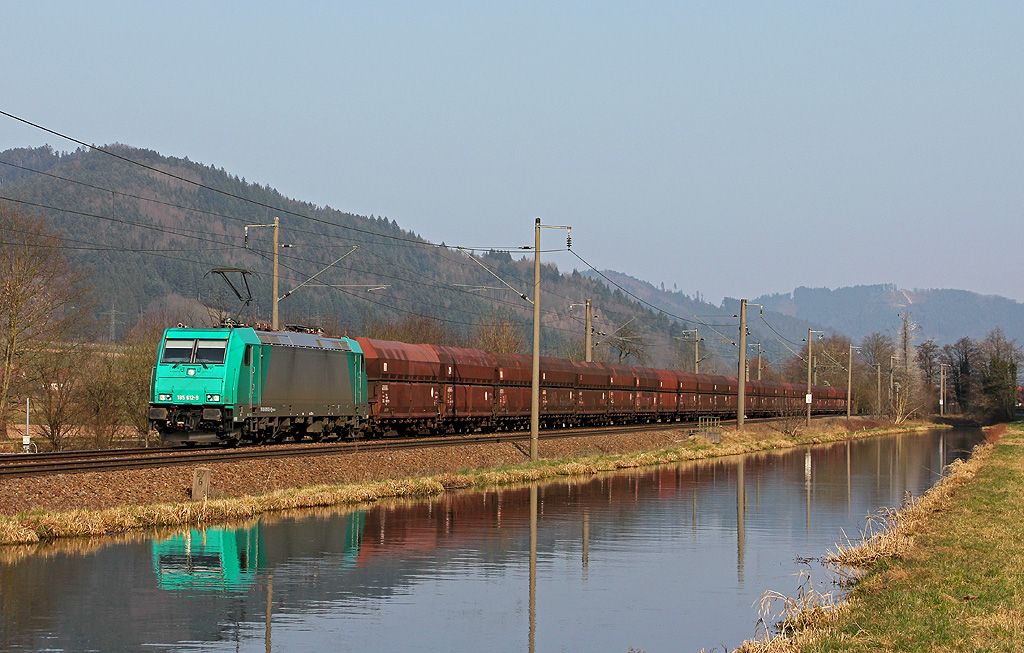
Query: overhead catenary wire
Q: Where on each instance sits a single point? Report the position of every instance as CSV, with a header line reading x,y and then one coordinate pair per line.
x,y
278,209
419,242
182,232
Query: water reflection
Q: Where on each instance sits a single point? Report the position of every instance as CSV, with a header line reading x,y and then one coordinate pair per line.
x,y
667,558
209,559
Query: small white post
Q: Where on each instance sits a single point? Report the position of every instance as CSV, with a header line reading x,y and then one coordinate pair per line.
x,y
26,440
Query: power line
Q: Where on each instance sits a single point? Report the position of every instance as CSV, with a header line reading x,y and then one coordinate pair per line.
x,y
416,241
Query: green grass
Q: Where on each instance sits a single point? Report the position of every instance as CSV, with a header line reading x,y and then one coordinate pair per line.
x,y
957,581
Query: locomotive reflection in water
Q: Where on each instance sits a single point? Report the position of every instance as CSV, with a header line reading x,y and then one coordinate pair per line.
x,y
223,559
230,385
210,559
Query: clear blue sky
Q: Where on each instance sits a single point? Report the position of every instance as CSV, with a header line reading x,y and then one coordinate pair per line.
x,y
732,148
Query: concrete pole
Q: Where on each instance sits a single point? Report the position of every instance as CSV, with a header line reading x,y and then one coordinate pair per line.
x,y
277,250
741,375
26,442
590,331
942,389
849,381
535,384
892,369
878,391
758,361
696,353
807,399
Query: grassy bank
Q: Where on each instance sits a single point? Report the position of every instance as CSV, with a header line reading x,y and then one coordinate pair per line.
x,y
34,526
947,574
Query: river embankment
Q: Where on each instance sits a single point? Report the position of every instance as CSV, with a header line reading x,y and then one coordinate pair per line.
x,y
944,573
98,503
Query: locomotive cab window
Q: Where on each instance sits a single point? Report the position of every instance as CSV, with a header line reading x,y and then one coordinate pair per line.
x,y
211,352
177,350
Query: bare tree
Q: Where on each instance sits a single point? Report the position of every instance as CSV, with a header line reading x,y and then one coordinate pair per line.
x,y
628,342
414,329
928,359
500,332
961,356
136,360
57,376
909,397
42,298
100,397
998,362
877,350
575,349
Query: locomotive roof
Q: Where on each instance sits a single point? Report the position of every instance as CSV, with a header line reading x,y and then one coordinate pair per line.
x,y
286,338
294,339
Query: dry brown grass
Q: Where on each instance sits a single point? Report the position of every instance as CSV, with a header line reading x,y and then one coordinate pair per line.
x,y
944,572
891,533
36,526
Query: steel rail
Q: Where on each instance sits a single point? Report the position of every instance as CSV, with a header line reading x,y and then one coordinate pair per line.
x,y
16,465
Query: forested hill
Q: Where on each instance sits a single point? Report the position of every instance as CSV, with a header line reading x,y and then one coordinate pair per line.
x,y
149,241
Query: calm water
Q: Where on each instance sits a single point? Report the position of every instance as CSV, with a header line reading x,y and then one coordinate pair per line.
x,y
669,559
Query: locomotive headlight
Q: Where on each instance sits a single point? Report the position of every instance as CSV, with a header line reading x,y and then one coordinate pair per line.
x,y
191,371
213,397
165,397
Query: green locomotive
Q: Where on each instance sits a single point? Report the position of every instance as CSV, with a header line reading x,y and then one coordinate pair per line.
x,y
226,385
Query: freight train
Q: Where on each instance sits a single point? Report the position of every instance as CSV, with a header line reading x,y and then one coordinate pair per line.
x,y
226,385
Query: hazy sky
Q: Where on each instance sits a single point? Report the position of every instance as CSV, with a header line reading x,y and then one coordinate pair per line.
x,y
728,147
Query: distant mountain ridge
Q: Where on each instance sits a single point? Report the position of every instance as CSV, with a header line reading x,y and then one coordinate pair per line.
x,y
943,314
856,311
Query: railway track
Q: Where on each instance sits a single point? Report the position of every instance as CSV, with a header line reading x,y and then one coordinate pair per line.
x,y
15,465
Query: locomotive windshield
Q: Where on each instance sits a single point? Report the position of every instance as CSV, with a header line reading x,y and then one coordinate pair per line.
x,y
201,352
211,351
177,350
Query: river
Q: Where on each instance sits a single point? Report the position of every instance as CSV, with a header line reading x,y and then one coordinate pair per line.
x,y
673,558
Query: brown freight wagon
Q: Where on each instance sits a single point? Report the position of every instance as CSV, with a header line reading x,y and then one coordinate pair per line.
x,y
469,379
402,383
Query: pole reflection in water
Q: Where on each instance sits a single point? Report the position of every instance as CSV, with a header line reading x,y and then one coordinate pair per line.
x,y
450,572
807,489
849,484
586,540
270,610
533,567
741,508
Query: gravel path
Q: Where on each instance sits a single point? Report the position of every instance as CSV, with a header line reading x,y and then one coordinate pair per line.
x,y
99,490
